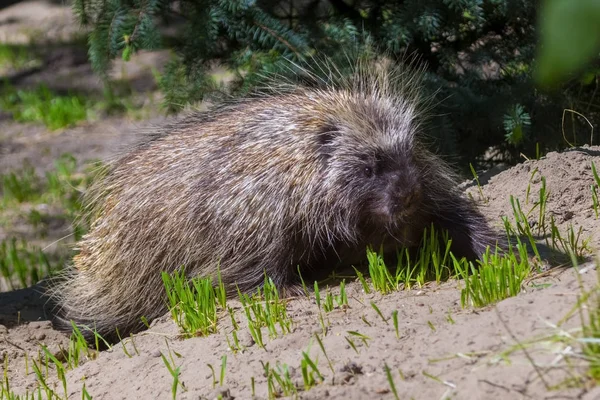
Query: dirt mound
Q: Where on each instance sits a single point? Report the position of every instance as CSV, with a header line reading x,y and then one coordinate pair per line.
x,y
568,177
440,350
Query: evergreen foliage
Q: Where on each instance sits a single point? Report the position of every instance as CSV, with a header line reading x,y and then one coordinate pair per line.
x,y
479,56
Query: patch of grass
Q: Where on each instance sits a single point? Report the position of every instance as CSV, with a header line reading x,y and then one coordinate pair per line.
x,y
78,349
21,186
57,110
62,186
331,301
17,56
573,243
22,265
265,308
431,263
595,188
44,364
381,278
280,383
24,196
192,304
43,106
496,277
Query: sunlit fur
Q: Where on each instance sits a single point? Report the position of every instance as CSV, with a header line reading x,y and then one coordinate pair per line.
x,y
298,177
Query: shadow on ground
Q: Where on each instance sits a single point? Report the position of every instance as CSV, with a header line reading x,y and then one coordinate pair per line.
x,y
23,305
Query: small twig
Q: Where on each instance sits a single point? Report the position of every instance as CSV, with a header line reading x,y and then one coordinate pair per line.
x,y
582,116
279,38
13,344
494,384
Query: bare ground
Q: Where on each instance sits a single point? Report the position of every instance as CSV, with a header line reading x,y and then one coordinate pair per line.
x,y
441,351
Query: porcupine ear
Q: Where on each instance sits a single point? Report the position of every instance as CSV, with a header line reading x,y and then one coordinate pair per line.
x,y
325,138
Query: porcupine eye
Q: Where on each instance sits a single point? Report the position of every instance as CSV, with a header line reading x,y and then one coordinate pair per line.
x,y
372,166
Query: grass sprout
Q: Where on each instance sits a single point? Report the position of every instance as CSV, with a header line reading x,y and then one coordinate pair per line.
x,y
395,322
595,188
378,311
388,374
279,381
310,372
78,348
265,308
573,243
479,189
175,373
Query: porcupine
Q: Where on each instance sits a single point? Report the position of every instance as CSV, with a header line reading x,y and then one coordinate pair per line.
x,y
301,179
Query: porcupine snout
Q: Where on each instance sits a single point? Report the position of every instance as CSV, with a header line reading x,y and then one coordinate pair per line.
x,y
399,193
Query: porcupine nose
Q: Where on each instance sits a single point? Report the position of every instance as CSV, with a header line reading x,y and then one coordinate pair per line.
x,y
406,201
407,194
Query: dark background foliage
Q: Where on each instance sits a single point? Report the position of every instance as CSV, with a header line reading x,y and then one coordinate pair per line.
x,y
479,57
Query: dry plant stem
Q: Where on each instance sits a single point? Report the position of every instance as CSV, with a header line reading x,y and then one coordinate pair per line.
x,y
518,343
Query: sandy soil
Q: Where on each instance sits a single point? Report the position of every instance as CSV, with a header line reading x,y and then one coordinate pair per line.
x,y
443,350
471,353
